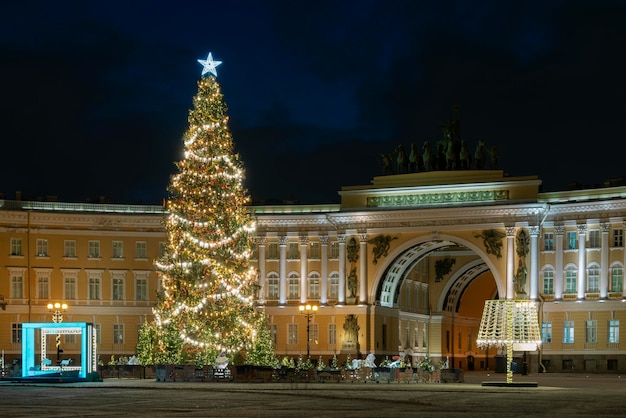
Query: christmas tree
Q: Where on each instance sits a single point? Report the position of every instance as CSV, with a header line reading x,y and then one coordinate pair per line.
x,y
206,303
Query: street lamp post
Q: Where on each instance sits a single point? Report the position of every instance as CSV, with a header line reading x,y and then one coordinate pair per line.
x,y
308,311
57,310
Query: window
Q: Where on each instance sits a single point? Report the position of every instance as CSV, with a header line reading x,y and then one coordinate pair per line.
x,y
42,287
571,239
594,238
141,289
591,332
94,288
294,251
334,286
334,250
118,288
294,286
94,249
162,247
69,248
17,286
118,333
314,250
613,331
548,241
617,278
618,238
332,334
593,279
16,333
424,339
118,249
141,249
16,246
274,333
272,251
69,287
546,332
42,247
292,334
568,332
314,286
548,282
314,334
272,286
570,281
69,339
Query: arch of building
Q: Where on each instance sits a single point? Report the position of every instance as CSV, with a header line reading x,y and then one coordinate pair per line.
x,y
401,260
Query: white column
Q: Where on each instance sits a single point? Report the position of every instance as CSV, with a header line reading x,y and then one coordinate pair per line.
x,y
282,244
324,268
582,263
304,242
510,261
261,275
605,227
363,269
534,262
341,296
558,267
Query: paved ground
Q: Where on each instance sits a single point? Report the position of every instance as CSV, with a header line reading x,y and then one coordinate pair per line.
x,y
570,395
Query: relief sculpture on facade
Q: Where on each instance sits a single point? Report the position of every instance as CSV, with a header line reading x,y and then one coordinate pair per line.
x,y
492,240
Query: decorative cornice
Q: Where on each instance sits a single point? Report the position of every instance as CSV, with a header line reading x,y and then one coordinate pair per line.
x,y
428,199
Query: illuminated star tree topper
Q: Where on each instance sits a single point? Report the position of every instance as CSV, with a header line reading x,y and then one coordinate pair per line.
x,y
209,66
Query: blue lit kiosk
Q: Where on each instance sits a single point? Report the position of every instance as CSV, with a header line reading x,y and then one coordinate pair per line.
x,y
59,370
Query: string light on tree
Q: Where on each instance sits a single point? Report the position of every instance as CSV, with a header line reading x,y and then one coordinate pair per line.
x,y
206,305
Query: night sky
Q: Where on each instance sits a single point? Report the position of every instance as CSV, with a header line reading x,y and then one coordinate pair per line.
x,y
95,95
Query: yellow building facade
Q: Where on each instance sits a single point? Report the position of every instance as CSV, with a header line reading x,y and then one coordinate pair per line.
x,y
401,267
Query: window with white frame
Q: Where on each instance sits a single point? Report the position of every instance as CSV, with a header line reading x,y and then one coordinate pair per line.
x,y
141,249
332,334
594,238
314,334
16,246
618,238
16,333
69,287
294,251
424,337
571,240
548,281
617,278
272,251
333,288
613,331
568,332
43,286
117,284
314,250
42,247
141,288
314,286
118,333
593,279
272,286
118,249
17,285
570,281
162,248
94,249
333,251
69,248
548,241
591,331
292,334
94,288
294,286
546,332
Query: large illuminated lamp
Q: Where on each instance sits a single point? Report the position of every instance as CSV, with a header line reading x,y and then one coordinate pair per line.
x,y
308,311
513,324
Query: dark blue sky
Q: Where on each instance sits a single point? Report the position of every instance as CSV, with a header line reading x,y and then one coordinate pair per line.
x,y
95,94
